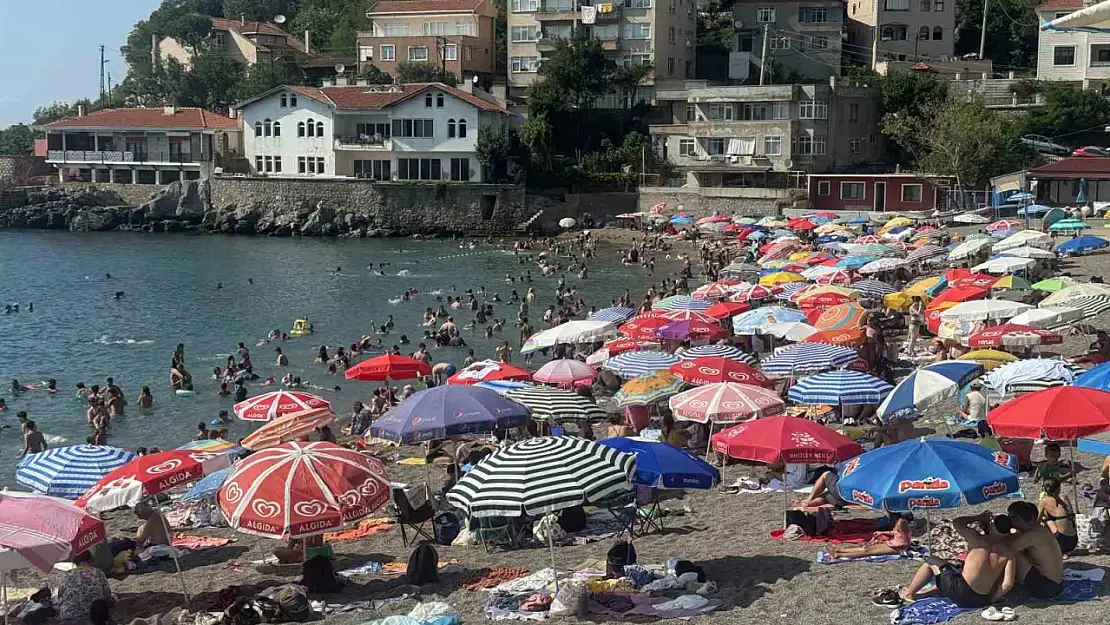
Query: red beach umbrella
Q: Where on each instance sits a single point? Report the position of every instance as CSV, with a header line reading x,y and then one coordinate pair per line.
x,y
270,406
288,428
1058,413
713,369
387,367
726,402
693,330
724,310
149,475
644,328
489,371
792,439
41,531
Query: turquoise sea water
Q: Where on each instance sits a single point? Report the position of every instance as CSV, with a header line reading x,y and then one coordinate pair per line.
x,y
79,333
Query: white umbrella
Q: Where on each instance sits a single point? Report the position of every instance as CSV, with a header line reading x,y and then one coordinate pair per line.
x,y
1075,291
567,222
1047,318
883,264
1030,252
1024,238
984,310
1005,264
790,330
967,249
582,331
971,218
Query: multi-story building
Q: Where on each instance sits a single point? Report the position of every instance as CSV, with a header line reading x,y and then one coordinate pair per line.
x,y
1078,56
803,39
141,145
457,35
720,135
900,30
657,32
425,131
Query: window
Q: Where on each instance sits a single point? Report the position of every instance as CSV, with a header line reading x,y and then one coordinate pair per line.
x,y
718,112
372,130
780,43
670,35
823,187
926,6
460,169
639,4
258,129
812,109
524,64
311,128
819,145
754,112
853,145
415,128
389,52
810,146
283,100
938,5
219,39
1101,55
450,129
911,193
852,191
301,165
689,69
640,30
938,33
269,164
418,169
637,59
258,164
687,148
373,169
277,129
765,15
292,99
439,100
691,113
715,146
1061,55
451,52
853,112
524,33
469,29
781,110
819,42
319,164
365,53
434,28
462,128
319,129
418,53
277,164
772,145
1060,14
813,15
300,129
923,33
670,66
897,5
267,127
895,32
428,100
523,6
395,30
873,139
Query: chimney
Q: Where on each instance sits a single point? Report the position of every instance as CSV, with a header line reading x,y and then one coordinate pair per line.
x,y
82,111
307,49
340,81
169,109
242,20
232,113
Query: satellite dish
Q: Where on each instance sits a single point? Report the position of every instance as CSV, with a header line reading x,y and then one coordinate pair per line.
x,y
738,24
340,68
474,79
279,19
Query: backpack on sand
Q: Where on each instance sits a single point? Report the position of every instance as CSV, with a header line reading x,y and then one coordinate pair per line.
x,y
423,565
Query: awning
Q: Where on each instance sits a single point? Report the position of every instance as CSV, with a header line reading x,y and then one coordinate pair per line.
x,y
1095,18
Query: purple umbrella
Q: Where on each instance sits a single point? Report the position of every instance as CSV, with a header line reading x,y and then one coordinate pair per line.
x,y
450,410
693,329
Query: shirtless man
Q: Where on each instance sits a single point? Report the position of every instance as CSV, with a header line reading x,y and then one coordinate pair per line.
x,y
989,572
153,531
114,403
1040,564
33,440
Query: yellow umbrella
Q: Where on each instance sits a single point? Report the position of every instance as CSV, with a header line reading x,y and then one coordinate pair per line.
x,y
802,255
781,277
899,301
990,358
830,228
897,222
830,288
917,289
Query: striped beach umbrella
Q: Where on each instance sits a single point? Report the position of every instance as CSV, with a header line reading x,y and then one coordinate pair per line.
x,y
756,292
685,315
873,288
542,475
925,252
840,388
614,314
648,389
618,346
1090,305
803,358
726,402
545,402
753,321
927,387
719,351
68,472
682,302
883,264
790,290
635,364
846,316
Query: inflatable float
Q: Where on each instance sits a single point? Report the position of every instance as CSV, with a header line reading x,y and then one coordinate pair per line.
x,y
301,327
181,392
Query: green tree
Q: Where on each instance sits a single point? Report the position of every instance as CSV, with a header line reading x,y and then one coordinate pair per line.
x,y
53,112
629,78
1068,109
320,18
374,74
17,140
261,77
967,140
259,10
492,150
213,81
1012,27
424,72
536,133
191,29
578,72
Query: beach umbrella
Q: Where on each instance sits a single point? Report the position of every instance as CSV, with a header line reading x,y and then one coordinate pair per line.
x,y
895,222
489,371
804,358
660,465
216,446
1025,238
714,290
790,330
503,386
790,439
1090,305
387,367
927,387
847,337
927,474
847,316
1012,335
963,278
838,276
854,262
692,330
839,388
555,403
794,288
682,302
39,531
566,373
635,364
781,277
971,218
1012,283
614,314
68,472
1030,252
724,310
826,295
873,288
1096,377
722,351
779,249
683,315
444,411
288,428
1052,285
1059,413
300,489
755,292
149,475
644,327
969,248
569,333
618,346
921,287
751,321
567,222
648,389
925,252
1030,374
725,402
269,406
1005,224
1068,225
208,486
712,219
868,238
1075,291
956,295
1032,209
1082,245
818,271
1048,318
739,268
714,369
800,223
877,250
1005,264
991,359
984,310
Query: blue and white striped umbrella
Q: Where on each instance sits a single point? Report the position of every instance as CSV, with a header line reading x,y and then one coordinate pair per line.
x,y
614,314
719,351
790,288
873,288
504,386
803,358
752,322
682,302
635,364
927,387
69,471
208,486
840,388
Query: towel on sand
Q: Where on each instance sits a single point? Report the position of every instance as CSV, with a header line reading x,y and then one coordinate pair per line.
x,y
941,609
362,530
196,543
919,553
848,531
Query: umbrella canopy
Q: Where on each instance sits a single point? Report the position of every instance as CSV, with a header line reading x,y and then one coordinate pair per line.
x,y
883,264
1030,252
1068,225
648,389
1096,377
755,292
1059,413
921,287
1032,238
614,314
545,402
302,489
790,330
1012,335
874,288
682,302
724,310
928,386
924,474
925,252
450,410
726,402
1082,245
803,358
489,371
1090,305
714,290
790,439
581,331
713,369
984,310
644,327
693,330
41,531
208,486
635,364
660,465
1075,291
991,359
854,262
1052,285
618,346
722,351
781,277
848,337
287,428
1005,224
1005,264
836,276
566,373
1013,283
969,248
387,367
1012,377
847,316
542,475
150,475
839,388
270,406
69,471
752,321
971,218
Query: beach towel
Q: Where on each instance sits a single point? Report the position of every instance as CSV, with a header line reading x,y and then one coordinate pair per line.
x,y
412,461
849,531
912,553
196,543
929,610
362,530
482,579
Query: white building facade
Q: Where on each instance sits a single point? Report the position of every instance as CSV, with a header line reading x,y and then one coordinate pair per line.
x,y
415,132
1072,56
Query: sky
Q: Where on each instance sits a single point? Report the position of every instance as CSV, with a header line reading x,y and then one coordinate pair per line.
x,y
50,50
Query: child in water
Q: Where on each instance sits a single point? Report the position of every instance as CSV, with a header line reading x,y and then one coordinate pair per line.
x,y
146,400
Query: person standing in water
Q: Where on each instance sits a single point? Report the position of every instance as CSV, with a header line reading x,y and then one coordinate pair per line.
x,y
33,440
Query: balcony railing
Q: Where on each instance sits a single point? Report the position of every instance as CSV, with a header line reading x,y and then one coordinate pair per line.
x,y
110,156
376,142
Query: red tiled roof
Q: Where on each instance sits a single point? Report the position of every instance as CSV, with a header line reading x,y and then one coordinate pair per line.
x,y
190,118
1075,167
260,28
424,6
359,98
1049,5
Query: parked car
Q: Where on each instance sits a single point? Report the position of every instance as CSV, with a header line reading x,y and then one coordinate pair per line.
x,y
1041,144
1091,150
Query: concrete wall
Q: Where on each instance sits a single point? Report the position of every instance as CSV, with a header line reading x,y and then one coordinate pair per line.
x,y
16,170
724,200
132,194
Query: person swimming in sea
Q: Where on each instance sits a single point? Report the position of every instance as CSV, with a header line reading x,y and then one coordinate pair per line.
x,y
51,386
3,405
146,400
219,285
18,388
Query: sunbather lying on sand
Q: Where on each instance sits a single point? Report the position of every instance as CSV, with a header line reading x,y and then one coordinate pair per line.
x,y
882,543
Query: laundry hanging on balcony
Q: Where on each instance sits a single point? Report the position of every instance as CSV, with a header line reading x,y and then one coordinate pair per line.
x,y
589,14
605,8
740,146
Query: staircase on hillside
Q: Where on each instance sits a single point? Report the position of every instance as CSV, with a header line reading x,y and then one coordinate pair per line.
x,y
523,226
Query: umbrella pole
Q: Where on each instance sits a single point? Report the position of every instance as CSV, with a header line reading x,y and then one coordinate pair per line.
x,y
785,501
1074,476
709,441
4,592
551,547
176,561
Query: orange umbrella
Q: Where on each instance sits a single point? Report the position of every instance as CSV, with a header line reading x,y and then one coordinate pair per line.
x,y
848,337
288,428
847,316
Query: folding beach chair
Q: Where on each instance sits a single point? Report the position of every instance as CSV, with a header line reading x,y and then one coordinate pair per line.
x,y
494,532
650,515
415,520
622,506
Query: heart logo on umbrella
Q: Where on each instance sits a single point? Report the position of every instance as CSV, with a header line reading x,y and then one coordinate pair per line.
x,y
369,488
165,467
350,498
233,493
310,509
265,509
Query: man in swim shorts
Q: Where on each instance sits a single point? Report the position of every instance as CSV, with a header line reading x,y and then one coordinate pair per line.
x,y
989,572
1040,563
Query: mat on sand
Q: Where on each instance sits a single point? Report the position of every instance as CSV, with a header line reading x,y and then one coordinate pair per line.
x,y
849,531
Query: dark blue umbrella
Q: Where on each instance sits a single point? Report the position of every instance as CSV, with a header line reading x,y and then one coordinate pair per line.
x,y
451,410
208,486
1095,377
1082,245
661,465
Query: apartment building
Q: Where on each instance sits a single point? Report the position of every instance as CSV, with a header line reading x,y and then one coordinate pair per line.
x,y
804,39
657,32
457,35
900,30
244,41
719,136
1079,56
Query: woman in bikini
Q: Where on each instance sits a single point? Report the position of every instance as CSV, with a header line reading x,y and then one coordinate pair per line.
x,y
1057,514
889,543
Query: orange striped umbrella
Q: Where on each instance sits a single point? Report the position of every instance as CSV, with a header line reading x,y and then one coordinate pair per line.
x,y
287,428
848,337
847,316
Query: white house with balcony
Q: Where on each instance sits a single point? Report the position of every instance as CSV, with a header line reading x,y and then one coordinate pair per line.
x,y
141,145
1078,56
425,131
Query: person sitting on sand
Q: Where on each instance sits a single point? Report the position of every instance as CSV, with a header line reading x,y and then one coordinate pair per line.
x,y
154,530
80,587
618,427
296,551
1037,551
896,431
825,492
1051,466
1056,513
889,543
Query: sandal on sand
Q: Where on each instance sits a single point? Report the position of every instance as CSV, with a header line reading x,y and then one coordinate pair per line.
x,y
887,599
995,614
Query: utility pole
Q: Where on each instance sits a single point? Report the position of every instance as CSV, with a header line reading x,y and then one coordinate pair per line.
x,y
983,32
102,61
109,92
763,55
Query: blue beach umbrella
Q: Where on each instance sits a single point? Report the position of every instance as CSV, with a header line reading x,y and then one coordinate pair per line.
x,y
1033,209
1082,245
208,486
751,321
614,314
503,386
854,262
1020,196
803,358
858,220
1095,377
69,472
449,410
925,474
682,302
927,387
635,364
831,238
790,288
840,388
661,465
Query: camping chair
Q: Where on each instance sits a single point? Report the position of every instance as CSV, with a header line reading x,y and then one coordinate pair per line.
x,y
413,519
650,515
622,505
494,532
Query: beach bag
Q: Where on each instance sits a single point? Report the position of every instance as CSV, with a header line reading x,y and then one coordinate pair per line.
x,y
423,565
318,576
446,527
619,555
571,599
685,566
572,519
293,603
813,524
